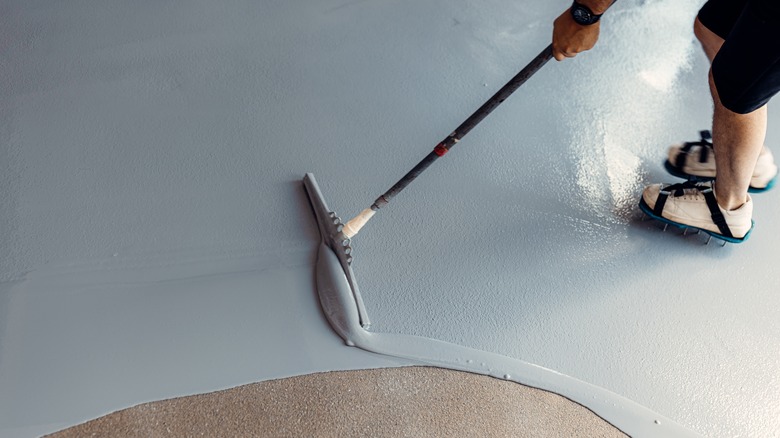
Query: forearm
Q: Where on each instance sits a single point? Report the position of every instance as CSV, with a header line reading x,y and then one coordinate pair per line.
x,y
577,29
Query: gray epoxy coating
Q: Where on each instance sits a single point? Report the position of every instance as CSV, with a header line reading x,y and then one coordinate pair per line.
x,y
339,299
156,240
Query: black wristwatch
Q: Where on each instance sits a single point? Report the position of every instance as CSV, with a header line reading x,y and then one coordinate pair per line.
x,y
583,15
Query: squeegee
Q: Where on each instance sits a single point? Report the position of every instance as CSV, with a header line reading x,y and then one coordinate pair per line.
x,y
336,235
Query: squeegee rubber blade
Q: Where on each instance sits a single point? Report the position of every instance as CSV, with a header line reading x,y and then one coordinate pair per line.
x,y
334,238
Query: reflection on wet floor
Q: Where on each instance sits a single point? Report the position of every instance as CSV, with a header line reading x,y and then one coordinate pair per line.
x,y
154,157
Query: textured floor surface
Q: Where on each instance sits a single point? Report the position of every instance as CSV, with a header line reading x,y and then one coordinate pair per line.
x,y
394,402
156,241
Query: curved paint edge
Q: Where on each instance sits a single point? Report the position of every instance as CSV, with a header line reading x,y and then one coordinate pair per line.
x,y
340,309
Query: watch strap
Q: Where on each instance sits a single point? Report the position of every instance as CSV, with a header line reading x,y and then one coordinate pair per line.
x,y
583,15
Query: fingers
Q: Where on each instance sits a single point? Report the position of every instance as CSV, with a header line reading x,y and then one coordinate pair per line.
x,y
560,55
570,38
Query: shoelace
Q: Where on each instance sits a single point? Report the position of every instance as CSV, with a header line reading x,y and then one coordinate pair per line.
x,y
687,188
704,150
680,189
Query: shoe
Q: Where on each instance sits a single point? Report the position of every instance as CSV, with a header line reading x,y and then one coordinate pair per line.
x,y
695,161
693,205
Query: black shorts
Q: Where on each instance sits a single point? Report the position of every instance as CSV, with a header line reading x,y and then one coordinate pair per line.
x,y
746,70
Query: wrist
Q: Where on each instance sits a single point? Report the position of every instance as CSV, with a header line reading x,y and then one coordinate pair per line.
x,y
598,7
583,15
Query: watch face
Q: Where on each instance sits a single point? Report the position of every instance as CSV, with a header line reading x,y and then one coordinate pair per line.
x,y
581,16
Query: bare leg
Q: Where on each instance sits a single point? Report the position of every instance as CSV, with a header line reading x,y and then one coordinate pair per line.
x,y
737,138
709,40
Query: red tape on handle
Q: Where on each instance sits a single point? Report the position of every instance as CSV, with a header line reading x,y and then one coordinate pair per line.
x,y
440,150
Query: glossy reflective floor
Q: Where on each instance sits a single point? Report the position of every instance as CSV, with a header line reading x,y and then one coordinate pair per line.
x,y
155,239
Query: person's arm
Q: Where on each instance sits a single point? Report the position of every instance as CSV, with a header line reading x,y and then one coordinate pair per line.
x,y
571,37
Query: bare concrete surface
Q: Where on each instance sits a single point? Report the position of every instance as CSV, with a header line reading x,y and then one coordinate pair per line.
x,y
390,402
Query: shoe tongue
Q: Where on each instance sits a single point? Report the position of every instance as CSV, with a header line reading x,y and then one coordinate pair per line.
x,y
680,188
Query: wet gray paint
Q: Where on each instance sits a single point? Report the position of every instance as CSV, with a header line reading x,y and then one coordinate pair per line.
x,y
341,310
81,342
154,228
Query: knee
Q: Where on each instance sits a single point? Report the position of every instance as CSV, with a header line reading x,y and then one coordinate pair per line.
x,y
713,88
716,97
706,37
710,41
700,31
727,98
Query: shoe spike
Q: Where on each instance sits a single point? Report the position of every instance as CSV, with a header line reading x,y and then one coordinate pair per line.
x,y
666,226
708,240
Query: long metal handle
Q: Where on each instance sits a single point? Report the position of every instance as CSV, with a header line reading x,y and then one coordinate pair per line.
x,y
445,145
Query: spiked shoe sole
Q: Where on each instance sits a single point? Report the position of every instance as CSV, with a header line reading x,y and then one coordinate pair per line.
x,y
676,171
649,211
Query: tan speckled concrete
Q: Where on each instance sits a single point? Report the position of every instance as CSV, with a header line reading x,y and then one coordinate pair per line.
x,y
393,402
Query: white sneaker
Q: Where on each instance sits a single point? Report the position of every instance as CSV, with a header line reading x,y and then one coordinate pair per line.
x,y
693,205
695,161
